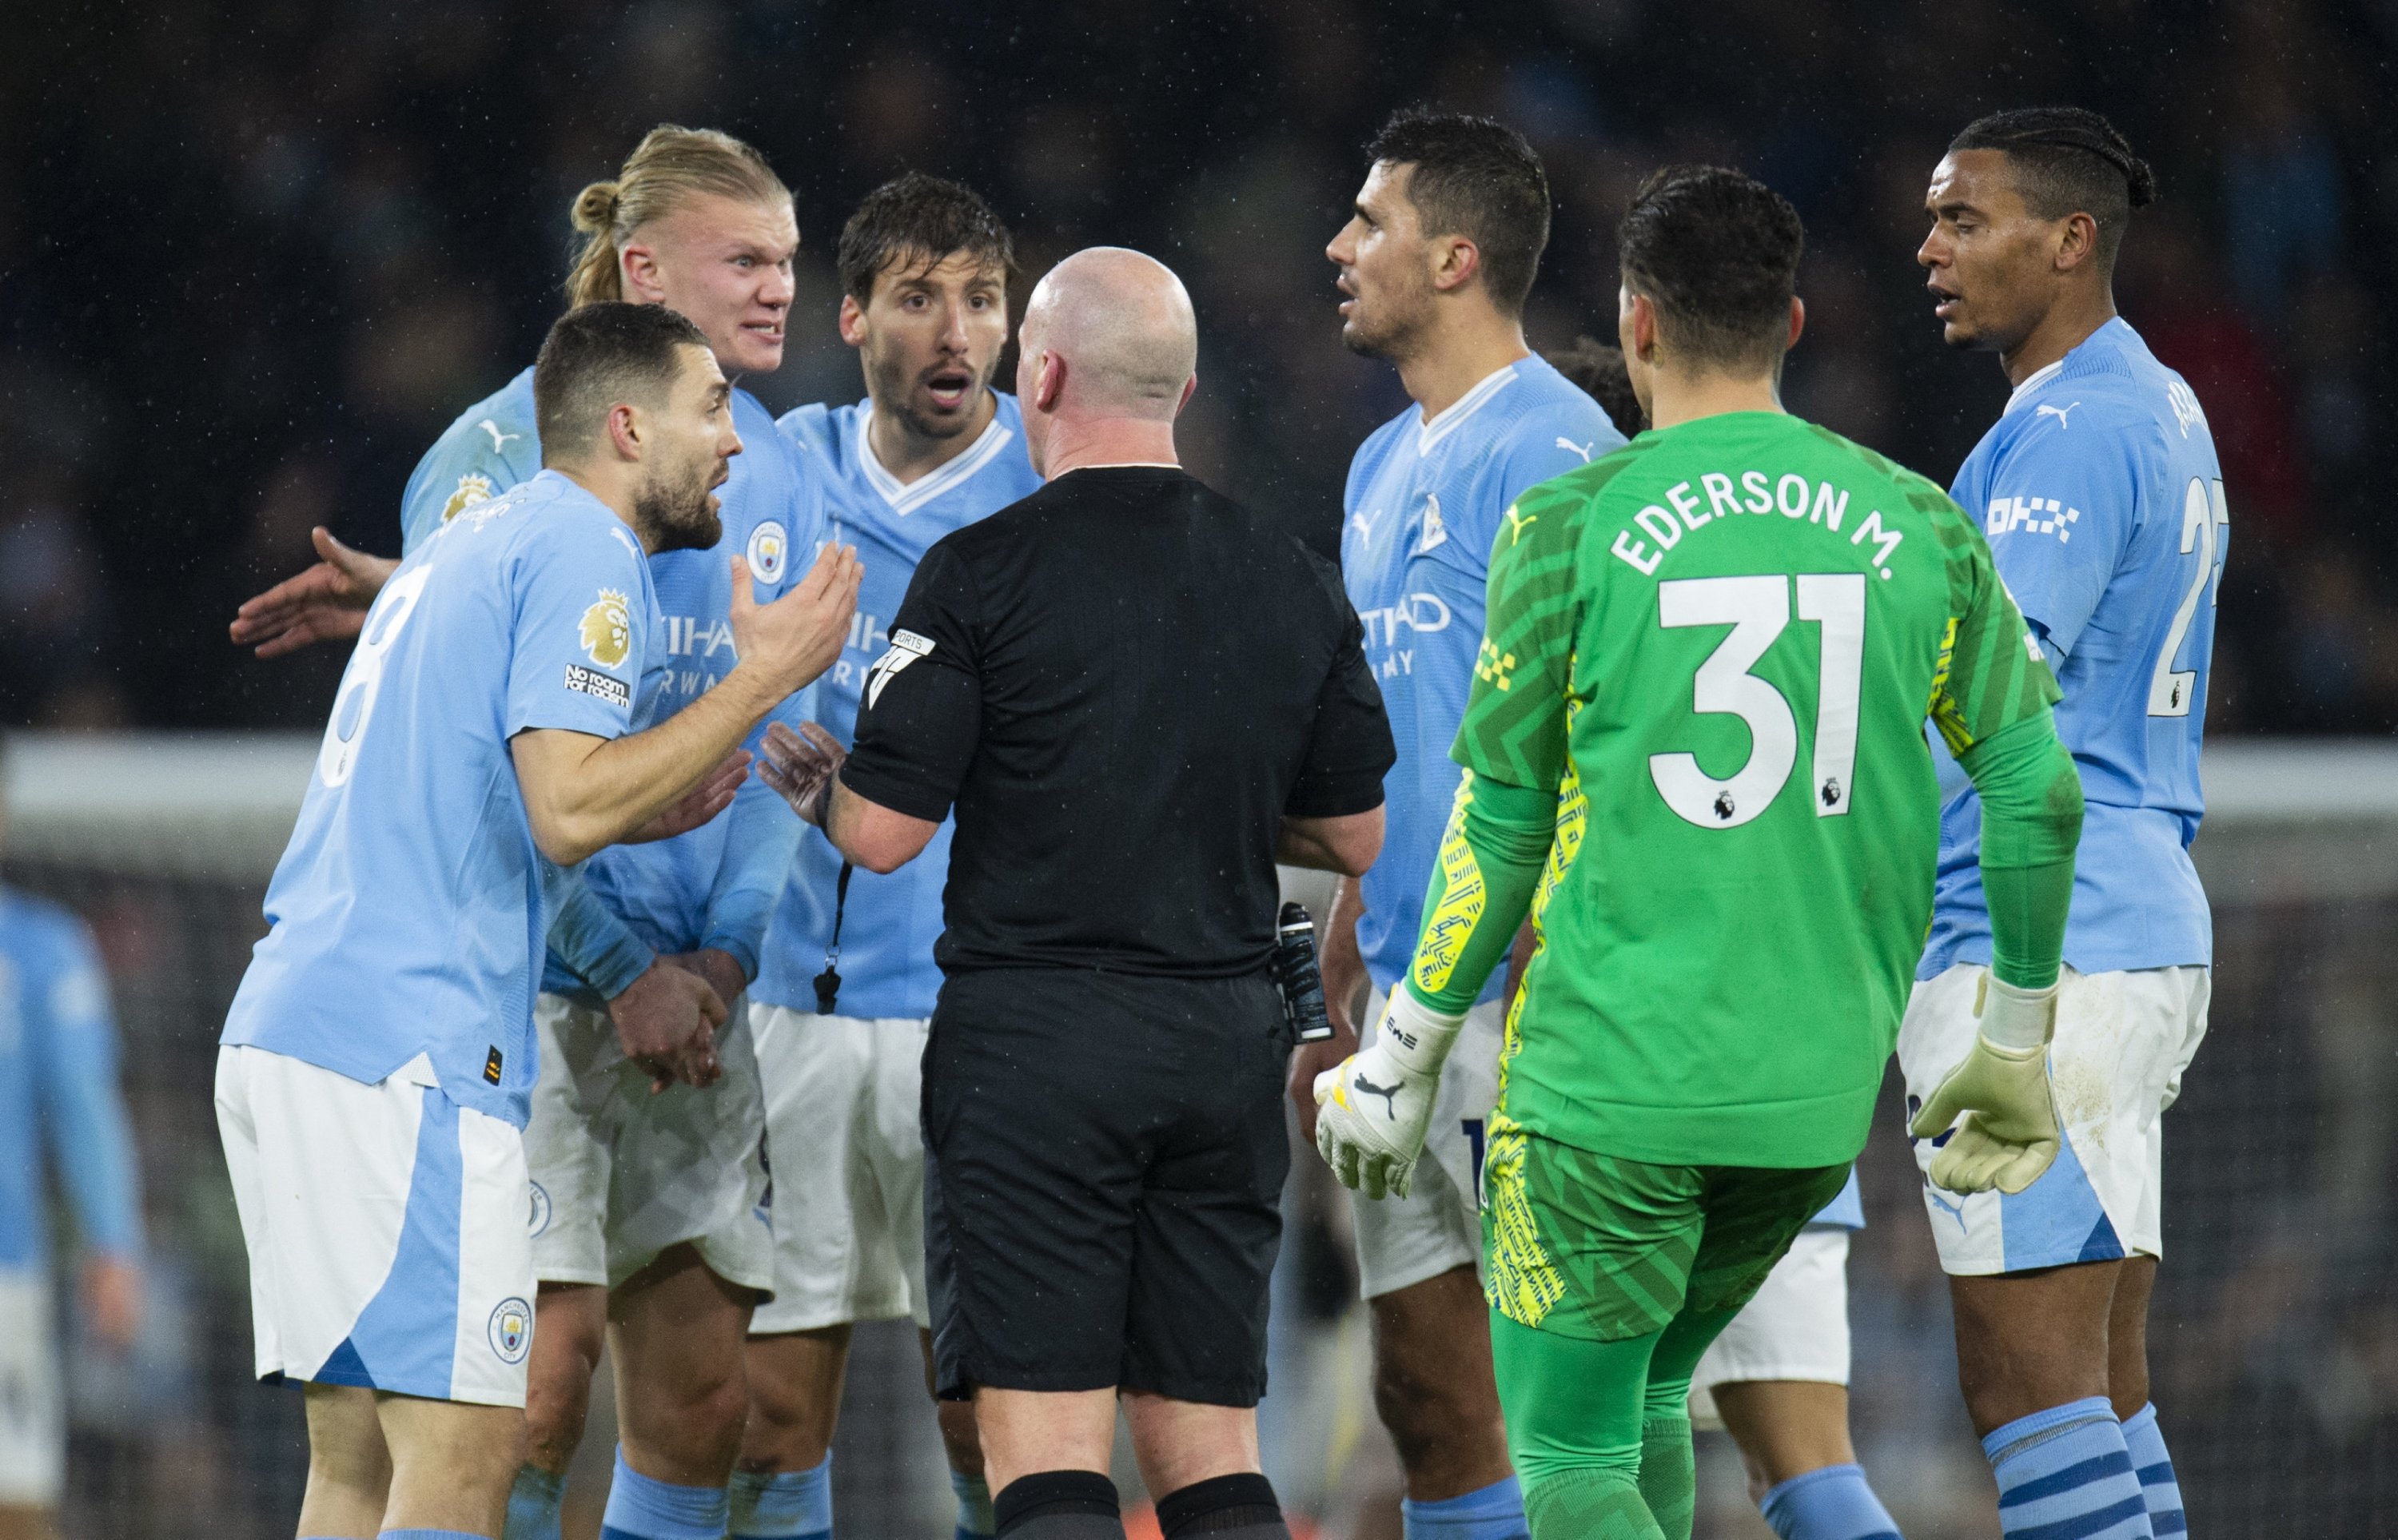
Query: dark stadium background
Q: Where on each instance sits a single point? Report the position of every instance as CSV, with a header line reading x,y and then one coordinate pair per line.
x,y
254,257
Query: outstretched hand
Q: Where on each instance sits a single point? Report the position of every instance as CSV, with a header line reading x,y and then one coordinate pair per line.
x,y
800,766
798,637
712,796
328,602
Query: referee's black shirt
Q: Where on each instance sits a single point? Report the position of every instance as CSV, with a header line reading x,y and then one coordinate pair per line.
x,y
1123,683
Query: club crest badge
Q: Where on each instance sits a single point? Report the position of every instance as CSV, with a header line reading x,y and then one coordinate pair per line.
x,y
606,632
511,1330
770,552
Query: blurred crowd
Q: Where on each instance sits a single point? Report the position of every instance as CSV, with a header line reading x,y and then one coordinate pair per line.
x,y
253,256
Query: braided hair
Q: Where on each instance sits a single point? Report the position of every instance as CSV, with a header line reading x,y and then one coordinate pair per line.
x,y
2068,160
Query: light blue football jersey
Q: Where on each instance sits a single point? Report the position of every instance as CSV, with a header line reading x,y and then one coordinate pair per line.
x,y
891,921
716,886
407,914
1424,502
2099,490
58,1089
493,446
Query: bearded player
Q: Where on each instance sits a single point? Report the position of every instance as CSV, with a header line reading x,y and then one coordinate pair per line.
x,y
647,1234
379,1058
2104,505
845,994
1694,753
1436,262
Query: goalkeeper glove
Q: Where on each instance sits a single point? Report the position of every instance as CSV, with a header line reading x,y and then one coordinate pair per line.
x,y
1376,1103
2008,1135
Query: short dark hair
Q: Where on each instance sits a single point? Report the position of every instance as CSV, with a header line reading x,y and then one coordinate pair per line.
x,y
597,356
1599,369
918,218
1477,178
2068,160
1718,253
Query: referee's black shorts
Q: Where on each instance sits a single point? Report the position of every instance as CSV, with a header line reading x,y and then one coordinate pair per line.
x,y
1103,1172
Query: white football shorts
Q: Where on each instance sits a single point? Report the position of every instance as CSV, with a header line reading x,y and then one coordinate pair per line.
x,y
1438,1225
33,1414
620,1173
845,1153
386,1225
1796,1328
2122,1041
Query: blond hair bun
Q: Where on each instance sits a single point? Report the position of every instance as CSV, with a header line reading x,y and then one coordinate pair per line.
x,y
595,208
670,166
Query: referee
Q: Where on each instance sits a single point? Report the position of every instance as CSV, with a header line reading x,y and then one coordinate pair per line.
x,y
1136,695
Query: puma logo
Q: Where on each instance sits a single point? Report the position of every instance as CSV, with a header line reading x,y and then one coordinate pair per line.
x,y
2057,413
1518,524
500,440
1390,1095
1582,450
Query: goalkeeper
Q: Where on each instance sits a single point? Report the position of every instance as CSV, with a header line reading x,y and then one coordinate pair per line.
x,y
1708,659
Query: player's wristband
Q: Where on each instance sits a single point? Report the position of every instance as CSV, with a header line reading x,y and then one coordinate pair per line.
x,y
1417,1038
2018,1020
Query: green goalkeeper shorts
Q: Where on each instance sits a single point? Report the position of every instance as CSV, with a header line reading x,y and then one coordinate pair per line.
x,y
1602,1248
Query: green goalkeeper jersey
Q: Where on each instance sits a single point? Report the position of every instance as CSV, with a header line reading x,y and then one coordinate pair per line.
x,y
1718,647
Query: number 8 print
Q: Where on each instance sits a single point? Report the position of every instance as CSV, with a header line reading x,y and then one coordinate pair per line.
x,y
354,704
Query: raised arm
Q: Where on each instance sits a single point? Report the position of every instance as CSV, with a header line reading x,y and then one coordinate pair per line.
x,y
584,793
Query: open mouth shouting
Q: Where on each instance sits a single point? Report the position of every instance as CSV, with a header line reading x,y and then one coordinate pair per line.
x,y
949,388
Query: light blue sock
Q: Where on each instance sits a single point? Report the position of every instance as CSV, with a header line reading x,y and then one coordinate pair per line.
x,y
533,1503
791,1505
2154,1466
1835,1503
2066,1474
640,1509
975,1522
1495,1512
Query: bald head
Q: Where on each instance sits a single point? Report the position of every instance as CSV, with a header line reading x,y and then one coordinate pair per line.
x,y
1121,325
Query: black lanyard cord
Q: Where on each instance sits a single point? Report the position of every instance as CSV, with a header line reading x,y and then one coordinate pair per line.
x,y
829,982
